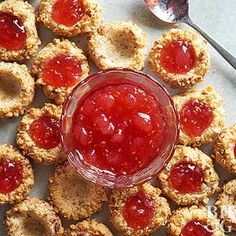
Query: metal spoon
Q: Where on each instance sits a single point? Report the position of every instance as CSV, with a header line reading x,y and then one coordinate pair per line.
x,y
174,11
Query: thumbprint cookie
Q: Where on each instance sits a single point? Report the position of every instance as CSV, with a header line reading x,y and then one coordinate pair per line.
x,y
59,66
16,175
225,149
18,35
189,178
39,135
226,204
70,17
118,44
139,210
88,228
201,116
17,89
180,58
33,217
72,196
194,221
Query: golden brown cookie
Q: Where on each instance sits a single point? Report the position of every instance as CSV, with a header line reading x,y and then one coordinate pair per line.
x,y
59,67
33,217
88,228
225,149
201,115
17,89
189,178
17,18
39,135
180,58
191,220
226,204
118,44
139,210
16,175
70,19
72,196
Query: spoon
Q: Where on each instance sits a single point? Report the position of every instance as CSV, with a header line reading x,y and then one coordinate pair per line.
x,y
174,11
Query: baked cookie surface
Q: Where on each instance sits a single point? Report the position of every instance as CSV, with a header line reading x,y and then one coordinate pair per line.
x,y
201,116
38,135
225,149
16,175
72,196
17,89
68,18
18,34
59,67
139,210
118,44
33,217
88,228
189,178
180,58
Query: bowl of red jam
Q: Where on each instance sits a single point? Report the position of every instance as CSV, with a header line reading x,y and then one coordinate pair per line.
x,y
119,128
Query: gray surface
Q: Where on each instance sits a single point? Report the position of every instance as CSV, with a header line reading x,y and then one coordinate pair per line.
x,y
215,16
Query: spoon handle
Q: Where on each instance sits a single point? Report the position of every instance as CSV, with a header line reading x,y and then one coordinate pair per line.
x,y
224,53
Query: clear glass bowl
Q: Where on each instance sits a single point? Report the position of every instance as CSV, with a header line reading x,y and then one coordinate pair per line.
x,y
111,77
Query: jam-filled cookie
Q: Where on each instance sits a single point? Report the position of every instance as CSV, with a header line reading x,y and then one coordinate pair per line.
x,y
226,204
59,66
18,35
33,217
17,89
201,116
16,175
180,58
194,221
118,44
225,149
39,135
70,17
88,228
139,210
189,178
72,196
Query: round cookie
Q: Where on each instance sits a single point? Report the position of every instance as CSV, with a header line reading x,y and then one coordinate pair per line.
x,y
39,135
225,149
72,196
16,175
56,81
202,116
88,228
181,44
189,178
118,44
21,15
33,217
139,210
83,18
17,89
194,219
226,203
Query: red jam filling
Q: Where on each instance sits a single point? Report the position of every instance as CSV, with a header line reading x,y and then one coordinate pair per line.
x,y
178,57
11,175
235,150
45,132
186,177
195,118
138,211
119,128
68,12
196,228
12,32
62,71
